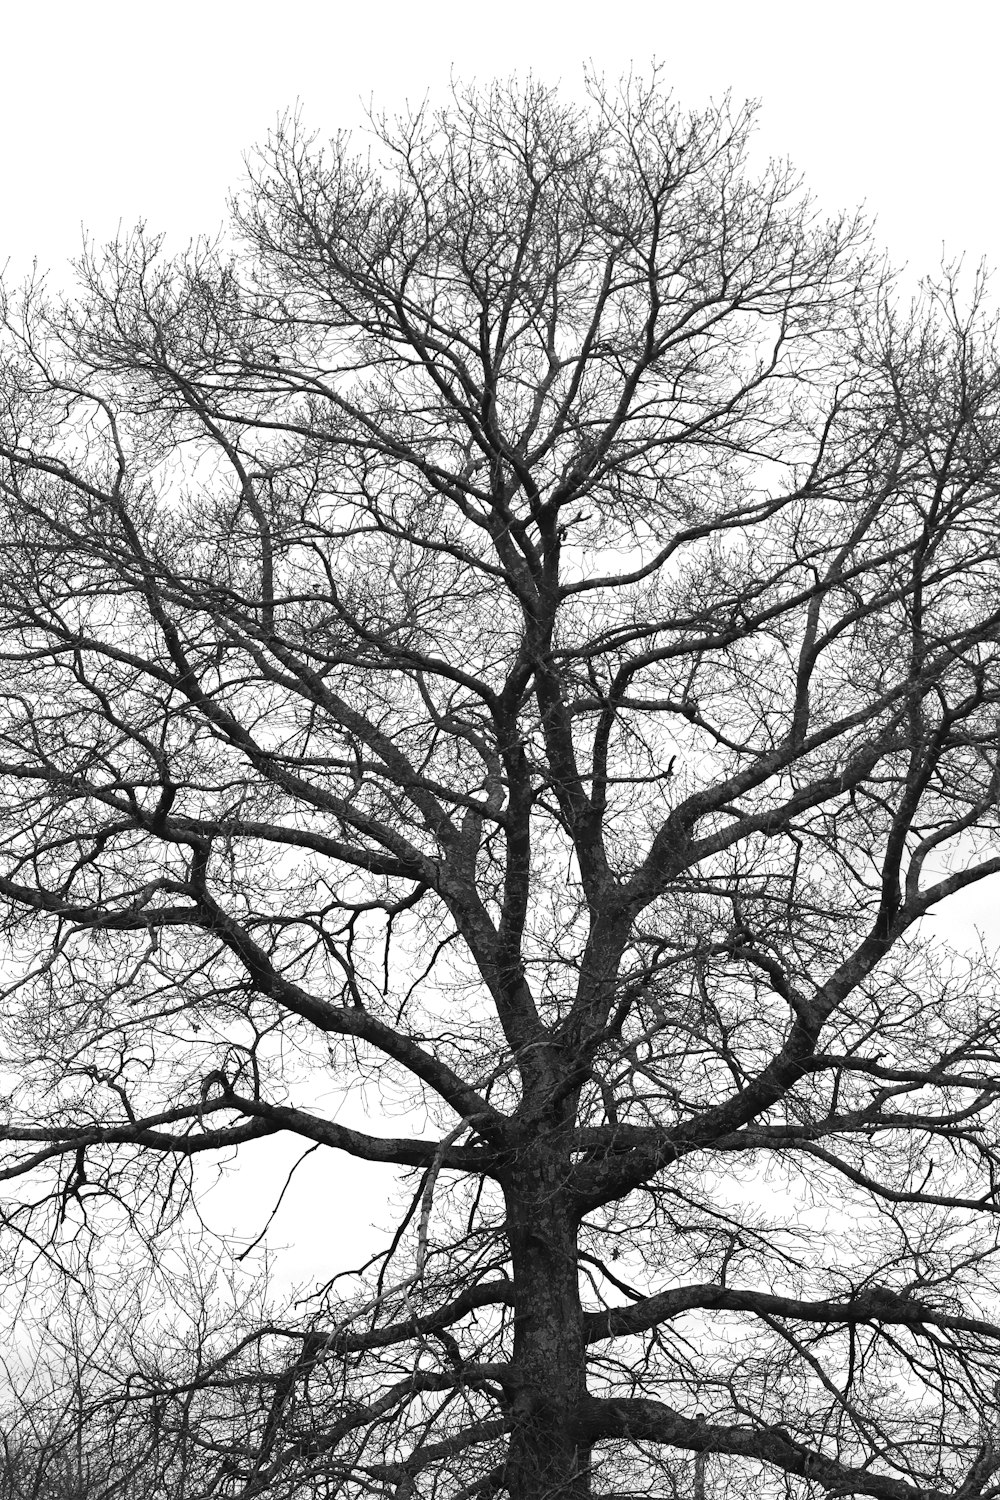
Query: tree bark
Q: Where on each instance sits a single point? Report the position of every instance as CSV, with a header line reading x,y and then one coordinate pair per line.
x,y
549,1457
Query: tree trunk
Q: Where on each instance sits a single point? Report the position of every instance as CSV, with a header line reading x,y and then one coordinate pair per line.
x,y
549,1456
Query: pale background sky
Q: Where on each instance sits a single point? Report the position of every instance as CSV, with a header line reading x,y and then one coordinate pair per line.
x,y
111,112
115,110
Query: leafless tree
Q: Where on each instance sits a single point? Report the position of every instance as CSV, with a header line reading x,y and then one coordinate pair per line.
x,y
102,1408
508,639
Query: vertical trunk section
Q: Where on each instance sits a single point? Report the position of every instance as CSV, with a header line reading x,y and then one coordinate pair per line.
x,y
549,1458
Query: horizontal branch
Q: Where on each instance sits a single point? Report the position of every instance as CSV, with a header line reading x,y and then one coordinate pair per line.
x,y
873,1305
411,1388
402,1151
54,1141
643,1420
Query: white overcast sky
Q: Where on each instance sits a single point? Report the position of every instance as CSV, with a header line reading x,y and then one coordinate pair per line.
x,y
114,110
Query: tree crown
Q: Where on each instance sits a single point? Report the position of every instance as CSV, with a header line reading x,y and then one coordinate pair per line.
x,y
515,628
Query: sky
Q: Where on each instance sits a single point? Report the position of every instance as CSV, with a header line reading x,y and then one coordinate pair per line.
x,y
115,112
112,112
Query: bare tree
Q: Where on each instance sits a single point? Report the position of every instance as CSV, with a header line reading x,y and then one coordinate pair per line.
x,y
509,639
103,1408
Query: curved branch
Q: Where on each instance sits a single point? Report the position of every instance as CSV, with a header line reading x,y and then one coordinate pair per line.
x,y
874,1305
654,1422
